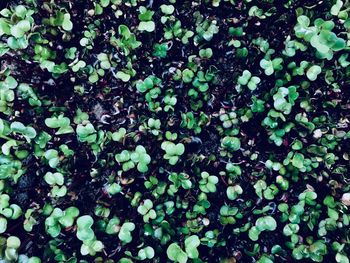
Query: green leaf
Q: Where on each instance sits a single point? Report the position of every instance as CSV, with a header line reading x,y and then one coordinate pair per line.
x,y
176,254
67,220
84,231
313,72
267,66
266,223
54,178
231,143
191,244
167,9
336,7
264,259
298,160
146,253
179,149
340,258
233,192
13,242
9,83
246,75
3,225
67,23
18,127
105,3
148,26
119,135
123,76
113,226
254,233
61,122
125,232
20,28
187,75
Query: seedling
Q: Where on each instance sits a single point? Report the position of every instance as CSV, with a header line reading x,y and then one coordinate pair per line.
x,y
146,210
172,151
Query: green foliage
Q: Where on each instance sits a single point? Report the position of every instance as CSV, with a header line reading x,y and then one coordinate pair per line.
x,y
249,80
266,223
86,133
7,94
160,50
233,192
146,23
127,41
231,143
61,123
229,119
113,226
320,36
146,210
56,181
138,158
146,253
59,219
208,183
174,131
313,72
172,151
119,135
19,128
84,231
176,254
87,236
270,66
125,232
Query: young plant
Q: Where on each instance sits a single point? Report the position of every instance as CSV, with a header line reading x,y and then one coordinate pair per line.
x,y
208,182
61,123
146,210
233,192
179,180
127,41
270,66
172,151
228,119
176,254
145,17
230,143
125,232
86,133
146,253
160,50
320,36
265,223
59,219
138,158
56,181
85,233
113,226
119,135
247,79
7,95
26,131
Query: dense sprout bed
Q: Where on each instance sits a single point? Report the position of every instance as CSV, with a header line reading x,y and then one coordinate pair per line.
x,y
174,131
